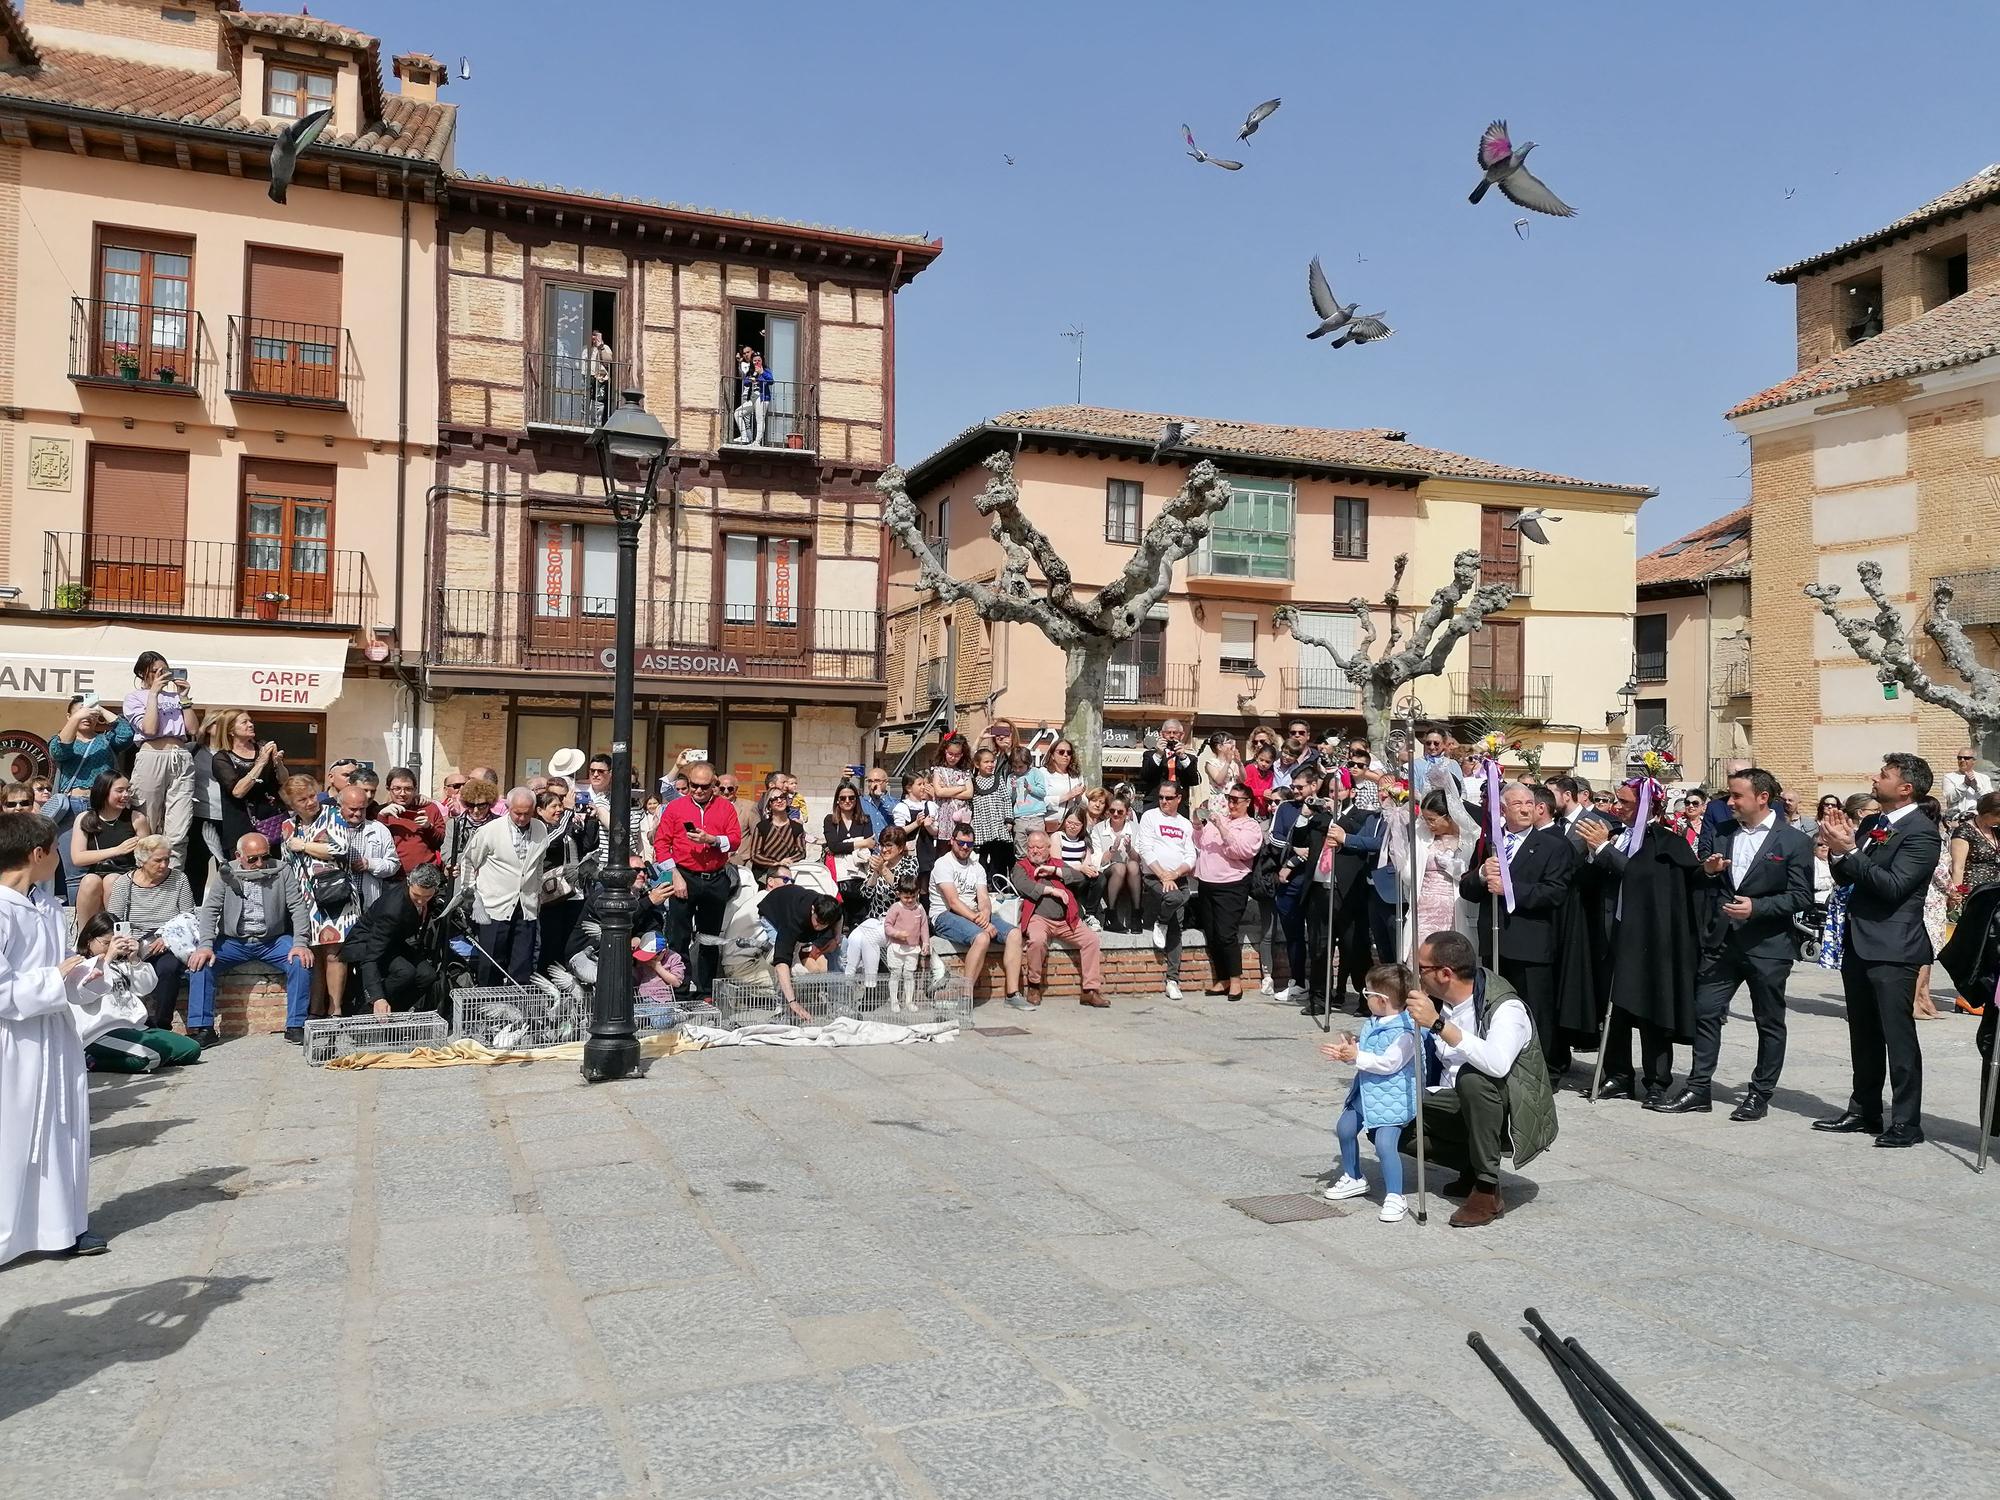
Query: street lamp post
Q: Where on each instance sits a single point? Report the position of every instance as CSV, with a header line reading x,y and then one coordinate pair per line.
x,y
631,442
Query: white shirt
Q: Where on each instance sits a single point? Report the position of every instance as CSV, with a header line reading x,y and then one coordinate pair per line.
x,y
1507,1034
1746,846
1167,842
1890,819
1402,1048
1962,791
965,876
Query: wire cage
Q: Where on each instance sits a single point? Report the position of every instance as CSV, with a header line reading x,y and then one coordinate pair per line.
x,y
337,1036
506,1015
921,999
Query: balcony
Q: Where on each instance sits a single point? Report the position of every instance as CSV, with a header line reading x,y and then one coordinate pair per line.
x,y
790,420
707,642
1649,666
290,364
935,682
1127,683
169,578
1243,557
1975,596
1732,673
573,392
136,346
1318,689
1473,694
1518,571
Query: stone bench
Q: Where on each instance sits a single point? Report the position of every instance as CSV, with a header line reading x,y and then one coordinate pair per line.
x,y
249,1000
1132,966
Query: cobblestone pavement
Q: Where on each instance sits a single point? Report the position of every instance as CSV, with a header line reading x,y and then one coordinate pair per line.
x,y
1002,1266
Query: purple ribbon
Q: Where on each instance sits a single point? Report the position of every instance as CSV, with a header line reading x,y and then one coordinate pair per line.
x,y
1490,769
1636,834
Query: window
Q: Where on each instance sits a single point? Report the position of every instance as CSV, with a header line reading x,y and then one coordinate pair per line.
x,y
1138,672
294,93
1857,310
1350,528
1648,714
301,736
941,543
143,320
1252,536
1495,659
1239,643
1321,684
1649,646
1499,545
777,337
1121,510
575,571
761,577
292,337
137,510
1726,540
577,381
288,535
1942,272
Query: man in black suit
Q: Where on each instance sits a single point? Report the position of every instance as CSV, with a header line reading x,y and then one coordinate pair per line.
x,y
1761,875
1541,864
391,945
1888,861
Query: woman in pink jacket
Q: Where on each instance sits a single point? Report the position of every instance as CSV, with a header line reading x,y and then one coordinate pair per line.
x,y
1226,846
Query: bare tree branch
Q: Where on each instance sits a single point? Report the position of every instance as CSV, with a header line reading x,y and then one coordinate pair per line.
x,y
1883,641
1175,533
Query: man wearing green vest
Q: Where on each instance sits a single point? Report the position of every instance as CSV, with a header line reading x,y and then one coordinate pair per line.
x,y
1492,1089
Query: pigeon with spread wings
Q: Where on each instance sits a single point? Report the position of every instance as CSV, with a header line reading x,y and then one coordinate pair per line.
x,y
1200,155
1529,524
1331,313
286,150
1506,167
1257,117
1365,329
1174,435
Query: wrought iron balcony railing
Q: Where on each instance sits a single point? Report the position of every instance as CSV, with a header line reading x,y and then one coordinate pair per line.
x,y
788,420
301,582
1649,666
1318,690
574,391
1975,596
141,345
1480,692
309,364
1170,686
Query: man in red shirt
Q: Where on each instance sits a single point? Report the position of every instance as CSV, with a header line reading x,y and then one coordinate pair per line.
x,y
694,837
417,826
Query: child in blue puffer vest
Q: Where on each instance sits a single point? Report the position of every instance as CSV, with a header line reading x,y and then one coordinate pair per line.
x,y
1383,1098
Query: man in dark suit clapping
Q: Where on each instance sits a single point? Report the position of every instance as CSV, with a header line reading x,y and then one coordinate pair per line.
x,y
1540,864
1761,874
1888,861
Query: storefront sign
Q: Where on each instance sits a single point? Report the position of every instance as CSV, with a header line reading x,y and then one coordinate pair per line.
x,y
281,688
29,677
54,663
23,754
679,663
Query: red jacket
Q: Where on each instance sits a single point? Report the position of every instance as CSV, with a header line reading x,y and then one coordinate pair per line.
x,y
417,845
670,840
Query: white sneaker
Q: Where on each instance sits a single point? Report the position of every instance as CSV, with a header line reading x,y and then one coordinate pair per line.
x,y
1160,936
1267,988
1348,1187
1173,990
1393,1209
1093,924
1295,994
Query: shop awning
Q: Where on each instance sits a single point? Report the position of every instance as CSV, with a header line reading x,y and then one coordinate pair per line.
x,y
52,659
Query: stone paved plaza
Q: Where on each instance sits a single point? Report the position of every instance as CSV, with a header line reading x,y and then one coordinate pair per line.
x,y
1001,1266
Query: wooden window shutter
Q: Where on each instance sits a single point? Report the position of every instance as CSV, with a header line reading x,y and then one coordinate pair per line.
x,y
292,286
138,492
273,476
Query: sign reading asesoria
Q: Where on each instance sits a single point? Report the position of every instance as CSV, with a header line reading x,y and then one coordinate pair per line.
x,y
679,663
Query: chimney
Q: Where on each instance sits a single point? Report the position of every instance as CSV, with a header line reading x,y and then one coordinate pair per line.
x,y
419,76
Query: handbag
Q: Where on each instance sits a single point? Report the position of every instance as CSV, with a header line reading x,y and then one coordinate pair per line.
x,y
332,890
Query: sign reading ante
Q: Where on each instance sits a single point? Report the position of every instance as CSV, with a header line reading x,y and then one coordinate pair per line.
x,y
680,663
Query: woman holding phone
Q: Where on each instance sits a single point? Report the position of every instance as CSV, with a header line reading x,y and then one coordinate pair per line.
x,y
164,721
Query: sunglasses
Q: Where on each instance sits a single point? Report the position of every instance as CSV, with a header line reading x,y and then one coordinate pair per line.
x,y
477,806
452,786
253,859
961,843
12,806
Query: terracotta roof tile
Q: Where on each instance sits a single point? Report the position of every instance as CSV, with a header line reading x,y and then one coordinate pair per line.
x,y
1976,189
1693,558
1957,332
405,128
1383,449
305,28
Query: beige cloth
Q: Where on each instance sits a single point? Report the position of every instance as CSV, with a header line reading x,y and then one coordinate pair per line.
x,y
465,1053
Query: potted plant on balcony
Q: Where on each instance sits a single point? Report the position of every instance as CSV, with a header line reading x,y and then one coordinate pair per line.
x,y
72,596
167,375
269,603
795,440
126,358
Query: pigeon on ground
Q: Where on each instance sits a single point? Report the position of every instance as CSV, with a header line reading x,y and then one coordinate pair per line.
x,y
1507,169
1257,117
1200,155
1331,314
1172,436
1365,329
286,149
1529,524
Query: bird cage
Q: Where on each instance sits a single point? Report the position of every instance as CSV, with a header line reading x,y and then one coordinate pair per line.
x,y
338,1036
922,999
817,999
505,1015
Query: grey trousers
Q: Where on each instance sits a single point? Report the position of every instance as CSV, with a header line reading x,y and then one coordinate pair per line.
x,y
163,789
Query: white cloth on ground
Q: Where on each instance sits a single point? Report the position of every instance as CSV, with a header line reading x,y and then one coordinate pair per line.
x,y
842,1031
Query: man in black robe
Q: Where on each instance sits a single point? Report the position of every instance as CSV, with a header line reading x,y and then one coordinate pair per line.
x,y
1656,948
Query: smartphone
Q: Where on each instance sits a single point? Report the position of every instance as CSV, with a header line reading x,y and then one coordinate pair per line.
x,y
121,929
697,757
584,799
687,825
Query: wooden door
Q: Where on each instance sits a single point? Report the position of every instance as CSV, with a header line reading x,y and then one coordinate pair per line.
x,y
1496,665
144,318
573,598
292,336
287,538
138,527
762,612
1499,547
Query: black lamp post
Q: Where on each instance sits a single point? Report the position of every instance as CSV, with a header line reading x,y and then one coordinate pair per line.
x,y
631,443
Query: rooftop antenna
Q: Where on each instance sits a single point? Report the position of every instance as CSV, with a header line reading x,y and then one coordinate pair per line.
x,y
1076,333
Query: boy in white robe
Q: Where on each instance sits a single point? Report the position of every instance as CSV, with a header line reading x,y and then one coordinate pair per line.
x,y
51,1003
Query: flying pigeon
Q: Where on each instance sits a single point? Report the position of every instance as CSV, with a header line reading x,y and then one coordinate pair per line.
x,y
1529,524
1365,329
1257,117
1331,314
286,149
465,69
1200,155
1507,169
1008,159
1172,436
1521,227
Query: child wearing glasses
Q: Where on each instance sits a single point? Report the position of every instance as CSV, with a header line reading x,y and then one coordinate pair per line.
x,y
1383,1097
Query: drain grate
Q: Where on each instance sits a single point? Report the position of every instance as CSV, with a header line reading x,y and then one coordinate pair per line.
x,y
1001,1030
1287,1208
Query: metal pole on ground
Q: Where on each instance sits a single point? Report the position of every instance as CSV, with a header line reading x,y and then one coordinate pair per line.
x,y
1413,710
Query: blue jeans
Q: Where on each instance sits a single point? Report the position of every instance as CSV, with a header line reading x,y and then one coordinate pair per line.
x,y
1387,1141
229,953
953,928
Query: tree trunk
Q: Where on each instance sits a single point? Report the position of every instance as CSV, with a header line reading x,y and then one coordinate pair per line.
x,y
1084,670
1378,707
1986,740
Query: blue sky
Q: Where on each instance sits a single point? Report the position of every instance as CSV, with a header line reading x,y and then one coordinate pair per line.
x,y
1605,346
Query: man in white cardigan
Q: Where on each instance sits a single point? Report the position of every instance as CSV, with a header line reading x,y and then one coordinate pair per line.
x,y
503,861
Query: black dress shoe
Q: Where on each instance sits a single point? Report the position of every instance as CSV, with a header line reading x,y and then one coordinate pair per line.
x,y
1900,1135
1686,1102
205,1035
1617,1086
1847,1122
1754,1107
296,1035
